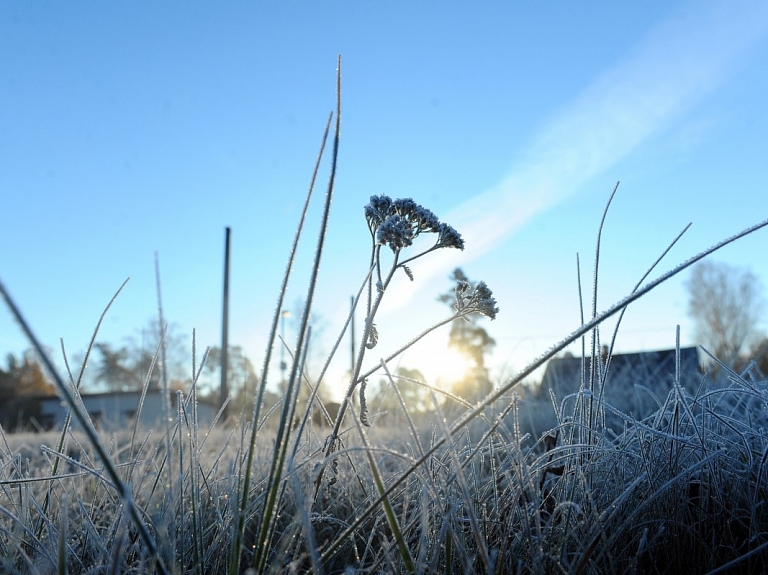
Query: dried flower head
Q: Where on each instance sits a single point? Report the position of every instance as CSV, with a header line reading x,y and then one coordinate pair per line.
x,y
397,223
395,232
377,210
363,404
484,301
477,299
462,286
404,206
425,219
448,237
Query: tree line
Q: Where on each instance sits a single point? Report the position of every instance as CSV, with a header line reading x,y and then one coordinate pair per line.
x,y
726,304
21,382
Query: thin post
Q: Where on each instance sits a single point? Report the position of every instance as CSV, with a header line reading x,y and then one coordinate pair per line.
x,y
224,391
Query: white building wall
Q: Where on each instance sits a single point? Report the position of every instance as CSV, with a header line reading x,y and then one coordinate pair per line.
x,y
112,411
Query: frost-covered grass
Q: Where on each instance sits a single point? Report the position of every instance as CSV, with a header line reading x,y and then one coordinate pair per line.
x,y
461,489
683,491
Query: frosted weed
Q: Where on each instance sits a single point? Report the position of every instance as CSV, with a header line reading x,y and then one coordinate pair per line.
x,y
396,224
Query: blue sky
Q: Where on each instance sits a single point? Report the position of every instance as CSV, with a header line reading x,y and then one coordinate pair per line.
x,y
131,128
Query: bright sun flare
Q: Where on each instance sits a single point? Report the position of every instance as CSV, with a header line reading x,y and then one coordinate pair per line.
x,y
440,364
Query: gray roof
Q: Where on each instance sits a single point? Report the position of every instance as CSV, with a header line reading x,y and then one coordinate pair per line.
x,y
651,369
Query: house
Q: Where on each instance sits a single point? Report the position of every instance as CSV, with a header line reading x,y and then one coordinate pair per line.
x,y
111,411
635,381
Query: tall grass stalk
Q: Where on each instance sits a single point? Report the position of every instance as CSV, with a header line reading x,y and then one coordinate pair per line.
x,y
82,417
68,416
394,524
265,520
194,461
167,412
468,500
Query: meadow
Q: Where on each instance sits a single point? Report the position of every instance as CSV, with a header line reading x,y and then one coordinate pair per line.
x,y
462,488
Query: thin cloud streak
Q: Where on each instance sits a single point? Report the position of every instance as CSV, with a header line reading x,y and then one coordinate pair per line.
x,y
680,62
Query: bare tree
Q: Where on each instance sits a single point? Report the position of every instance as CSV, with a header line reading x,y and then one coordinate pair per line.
x,y
725,303
126,368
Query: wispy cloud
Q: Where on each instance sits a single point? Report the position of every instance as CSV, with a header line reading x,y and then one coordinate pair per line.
x,y
681,61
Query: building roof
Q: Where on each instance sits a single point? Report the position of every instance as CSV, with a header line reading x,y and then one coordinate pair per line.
x,y
651,369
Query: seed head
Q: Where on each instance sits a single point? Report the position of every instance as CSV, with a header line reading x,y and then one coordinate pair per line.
x,y
397,223
484,301
477,299
377,210
404,206
448,237
395,232
425,220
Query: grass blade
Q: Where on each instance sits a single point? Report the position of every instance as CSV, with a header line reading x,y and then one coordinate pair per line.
x,y
87,425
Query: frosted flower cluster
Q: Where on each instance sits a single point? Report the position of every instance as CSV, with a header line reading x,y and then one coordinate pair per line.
x,y
395,232
396,223
448,237
475,299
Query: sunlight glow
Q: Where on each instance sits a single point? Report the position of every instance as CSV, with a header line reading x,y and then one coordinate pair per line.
x,y
441,365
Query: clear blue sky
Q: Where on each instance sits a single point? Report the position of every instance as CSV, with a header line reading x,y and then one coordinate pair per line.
x,y
133,127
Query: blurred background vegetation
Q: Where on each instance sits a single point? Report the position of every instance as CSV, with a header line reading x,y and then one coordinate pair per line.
x,y
726,303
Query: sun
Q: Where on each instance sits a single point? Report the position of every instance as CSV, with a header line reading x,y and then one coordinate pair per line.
x,y
441,365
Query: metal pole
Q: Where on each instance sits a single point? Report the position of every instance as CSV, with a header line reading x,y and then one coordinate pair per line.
x,y
224,392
